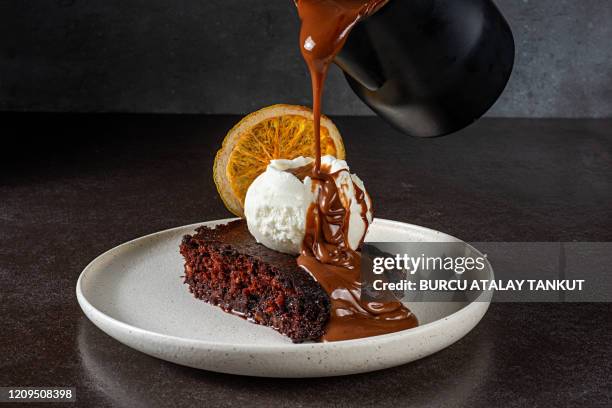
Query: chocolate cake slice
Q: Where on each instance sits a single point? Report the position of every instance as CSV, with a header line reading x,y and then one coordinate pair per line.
x,y
226,267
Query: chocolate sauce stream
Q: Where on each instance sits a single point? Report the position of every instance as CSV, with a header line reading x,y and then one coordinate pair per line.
x,y
326,253
325,28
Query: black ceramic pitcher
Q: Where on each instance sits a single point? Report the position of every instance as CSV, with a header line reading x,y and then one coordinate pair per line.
x,y
430,67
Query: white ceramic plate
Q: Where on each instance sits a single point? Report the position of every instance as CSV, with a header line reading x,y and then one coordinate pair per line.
x,y
135,294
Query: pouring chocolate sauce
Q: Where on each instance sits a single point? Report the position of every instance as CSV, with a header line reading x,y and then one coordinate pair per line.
x,y
325,28
326,254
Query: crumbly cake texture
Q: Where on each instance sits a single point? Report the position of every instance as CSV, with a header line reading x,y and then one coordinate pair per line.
x,y
226,267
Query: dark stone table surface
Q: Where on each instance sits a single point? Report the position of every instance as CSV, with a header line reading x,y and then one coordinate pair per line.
x,y
73,186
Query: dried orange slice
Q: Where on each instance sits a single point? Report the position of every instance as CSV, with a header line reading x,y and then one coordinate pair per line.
x,y
275,132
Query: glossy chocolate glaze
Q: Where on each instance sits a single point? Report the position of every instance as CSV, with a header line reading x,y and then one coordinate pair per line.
x,y
327,223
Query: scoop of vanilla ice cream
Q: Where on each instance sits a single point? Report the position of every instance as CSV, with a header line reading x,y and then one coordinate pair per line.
x,y
277,202
276,205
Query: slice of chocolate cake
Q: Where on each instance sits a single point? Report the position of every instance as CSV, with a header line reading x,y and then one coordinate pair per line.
x,y
225,266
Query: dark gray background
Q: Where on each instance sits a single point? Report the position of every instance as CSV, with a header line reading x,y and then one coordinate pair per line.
x,y
233,56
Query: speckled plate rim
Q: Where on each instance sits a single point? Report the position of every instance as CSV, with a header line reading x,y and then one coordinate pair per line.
x,y
466,318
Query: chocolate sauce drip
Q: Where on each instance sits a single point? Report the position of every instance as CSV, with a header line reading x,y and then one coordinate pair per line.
x,y
326,253
360,196
327,223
